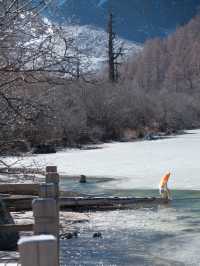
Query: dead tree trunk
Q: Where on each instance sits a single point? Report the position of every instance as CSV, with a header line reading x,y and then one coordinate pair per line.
x,y
113,52
111,37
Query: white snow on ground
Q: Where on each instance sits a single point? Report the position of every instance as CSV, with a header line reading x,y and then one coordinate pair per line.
x,y
135,164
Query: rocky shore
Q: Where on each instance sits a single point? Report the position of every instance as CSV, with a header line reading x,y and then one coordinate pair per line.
x,y
68,229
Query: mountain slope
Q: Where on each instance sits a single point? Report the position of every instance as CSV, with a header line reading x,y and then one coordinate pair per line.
x,y
92,45
87,46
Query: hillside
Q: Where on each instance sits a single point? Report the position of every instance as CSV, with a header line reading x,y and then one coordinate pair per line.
x,y
88,43
92,44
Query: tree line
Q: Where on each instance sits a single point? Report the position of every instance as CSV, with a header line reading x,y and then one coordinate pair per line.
x,y
167,74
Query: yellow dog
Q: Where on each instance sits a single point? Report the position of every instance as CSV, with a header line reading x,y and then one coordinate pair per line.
x,y
164,191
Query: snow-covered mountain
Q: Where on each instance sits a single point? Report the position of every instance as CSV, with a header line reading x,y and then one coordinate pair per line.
x,y
92,45
86,45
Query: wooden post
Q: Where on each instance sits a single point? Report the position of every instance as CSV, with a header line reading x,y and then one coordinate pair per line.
x,y
19,189
38,251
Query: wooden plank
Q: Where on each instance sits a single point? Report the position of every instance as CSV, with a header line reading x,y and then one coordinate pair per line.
x,y
20,189
19,203
82,201
106,203
16,227
21,170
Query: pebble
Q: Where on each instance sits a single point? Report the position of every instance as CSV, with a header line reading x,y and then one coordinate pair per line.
x,y
98,234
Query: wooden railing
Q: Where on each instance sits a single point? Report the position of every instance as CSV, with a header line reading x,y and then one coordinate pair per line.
x,y
16,227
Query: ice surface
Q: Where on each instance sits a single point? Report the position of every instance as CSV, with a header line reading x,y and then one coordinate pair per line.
x,y
162,235
134,164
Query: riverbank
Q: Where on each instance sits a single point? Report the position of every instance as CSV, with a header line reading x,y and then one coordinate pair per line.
x,y
19,147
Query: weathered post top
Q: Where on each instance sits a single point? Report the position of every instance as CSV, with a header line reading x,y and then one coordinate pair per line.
x,y
51,169
38,251
46,216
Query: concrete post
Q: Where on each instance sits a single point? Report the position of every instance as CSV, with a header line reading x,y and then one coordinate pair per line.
x,y
46,213
38,251
47,190
53,178
46,217
51,169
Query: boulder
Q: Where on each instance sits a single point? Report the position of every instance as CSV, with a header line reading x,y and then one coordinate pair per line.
x,y
44,149
97,235
8,240
82,179
69,235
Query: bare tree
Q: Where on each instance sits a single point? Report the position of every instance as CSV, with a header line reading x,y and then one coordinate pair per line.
x,y
35,56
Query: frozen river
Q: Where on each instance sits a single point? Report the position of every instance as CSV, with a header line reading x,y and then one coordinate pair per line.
x,y
162,235
135,164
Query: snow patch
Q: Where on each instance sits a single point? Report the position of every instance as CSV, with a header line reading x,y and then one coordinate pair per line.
x,y
28,239
102,2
